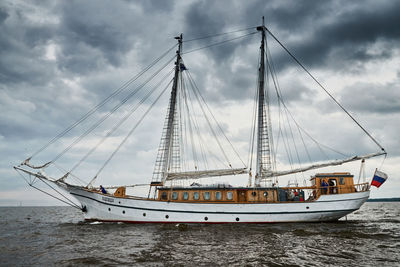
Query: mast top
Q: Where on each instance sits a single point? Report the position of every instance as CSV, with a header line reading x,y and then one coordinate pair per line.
x,y
262,27
179,38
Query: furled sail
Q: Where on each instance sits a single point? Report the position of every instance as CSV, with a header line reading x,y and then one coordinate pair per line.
x,y
204,173
326,164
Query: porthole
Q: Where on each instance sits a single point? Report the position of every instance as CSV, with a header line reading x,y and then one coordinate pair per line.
x,y
237,219
307,207
206,218
119,202
144,214
123,212
166,216
265,194
253,193
109,209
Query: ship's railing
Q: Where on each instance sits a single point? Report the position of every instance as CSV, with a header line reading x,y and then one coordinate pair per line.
x,y
311,193
362,187
341,189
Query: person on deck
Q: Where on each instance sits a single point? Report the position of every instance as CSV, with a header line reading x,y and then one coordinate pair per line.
x,y
324,187
103,190
301,194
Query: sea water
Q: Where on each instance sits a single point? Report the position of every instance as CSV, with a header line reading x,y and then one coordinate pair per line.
x,y
58,236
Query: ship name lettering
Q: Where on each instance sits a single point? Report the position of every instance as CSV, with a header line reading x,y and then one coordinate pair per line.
x,y
107,199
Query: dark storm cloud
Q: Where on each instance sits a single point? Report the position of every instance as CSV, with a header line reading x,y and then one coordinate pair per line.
x,y
316,31
332,35
203,18
93,34
338,33
87,36
21,50
3,15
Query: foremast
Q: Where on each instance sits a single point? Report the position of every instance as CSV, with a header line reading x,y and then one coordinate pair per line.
x,y
263,162
166,148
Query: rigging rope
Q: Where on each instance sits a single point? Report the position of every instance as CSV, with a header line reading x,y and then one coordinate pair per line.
x,y
191,121
280,98
115,108
102,103
218,34
197,128
120,122
130,132
326,91
253,126
198,94
218,43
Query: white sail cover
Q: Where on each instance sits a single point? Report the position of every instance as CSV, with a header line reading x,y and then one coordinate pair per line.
x,y
321,165
204,173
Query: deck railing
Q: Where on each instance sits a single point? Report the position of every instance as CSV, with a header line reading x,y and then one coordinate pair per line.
x,y
310,193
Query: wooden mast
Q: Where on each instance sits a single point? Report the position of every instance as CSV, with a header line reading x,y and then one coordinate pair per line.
x,y
171,114
165,152
263,146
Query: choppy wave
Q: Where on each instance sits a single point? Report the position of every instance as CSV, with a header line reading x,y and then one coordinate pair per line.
x,y
58,236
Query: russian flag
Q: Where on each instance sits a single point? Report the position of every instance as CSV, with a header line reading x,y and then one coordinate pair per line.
x,y
379,178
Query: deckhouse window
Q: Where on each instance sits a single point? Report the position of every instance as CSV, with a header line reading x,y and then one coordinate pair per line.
x,y
206,195
185,195
218,195
175,195
195,195
229,195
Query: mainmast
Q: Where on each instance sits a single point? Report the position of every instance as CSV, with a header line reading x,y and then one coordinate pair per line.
x,y
263,140
164,156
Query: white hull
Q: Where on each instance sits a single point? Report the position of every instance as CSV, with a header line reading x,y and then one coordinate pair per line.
x,y
112,209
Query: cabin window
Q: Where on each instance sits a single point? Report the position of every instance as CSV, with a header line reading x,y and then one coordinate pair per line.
x,y
185,195
341,180
196,195
164,195
206,195
175,195
253,193
265,194
229,195
218,195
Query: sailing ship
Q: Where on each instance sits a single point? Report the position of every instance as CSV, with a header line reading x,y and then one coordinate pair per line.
x,y
328,196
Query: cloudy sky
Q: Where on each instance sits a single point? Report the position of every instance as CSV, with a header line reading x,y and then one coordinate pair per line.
x,y
60,58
